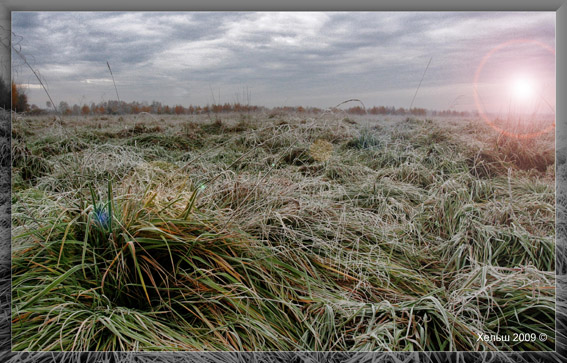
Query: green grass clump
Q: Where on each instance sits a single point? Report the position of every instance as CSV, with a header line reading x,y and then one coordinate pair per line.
x,y
53,145
366,140
214,127
298,156
140,278
28,165
168,142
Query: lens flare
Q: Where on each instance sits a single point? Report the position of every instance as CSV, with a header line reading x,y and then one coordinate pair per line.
x,y
524,91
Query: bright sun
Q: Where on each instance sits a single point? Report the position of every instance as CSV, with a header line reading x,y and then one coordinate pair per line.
x,y
523,88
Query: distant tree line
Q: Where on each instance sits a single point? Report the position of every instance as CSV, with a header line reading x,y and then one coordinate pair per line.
x,y
382,110
19,99
116,108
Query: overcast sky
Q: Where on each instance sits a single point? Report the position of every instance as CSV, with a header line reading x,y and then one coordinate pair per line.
x,y
310,59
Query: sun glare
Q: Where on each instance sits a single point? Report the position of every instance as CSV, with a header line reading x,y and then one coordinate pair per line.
x,y
523,89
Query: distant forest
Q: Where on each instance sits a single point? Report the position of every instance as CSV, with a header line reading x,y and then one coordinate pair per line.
x,y
16,98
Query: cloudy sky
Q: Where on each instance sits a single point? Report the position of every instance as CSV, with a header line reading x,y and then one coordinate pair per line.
x,y
310,59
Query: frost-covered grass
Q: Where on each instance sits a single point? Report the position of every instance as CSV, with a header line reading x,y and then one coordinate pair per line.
x,y
311,233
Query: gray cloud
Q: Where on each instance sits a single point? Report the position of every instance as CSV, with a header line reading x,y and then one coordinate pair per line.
x,y
314,59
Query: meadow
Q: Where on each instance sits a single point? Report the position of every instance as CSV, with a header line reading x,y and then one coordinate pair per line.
x,y
273,231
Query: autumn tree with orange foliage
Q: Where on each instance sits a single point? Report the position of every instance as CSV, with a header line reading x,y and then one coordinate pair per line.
x,y
19,99
179,110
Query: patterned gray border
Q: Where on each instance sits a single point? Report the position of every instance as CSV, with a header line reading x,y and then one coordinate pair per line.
x,y
292,357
